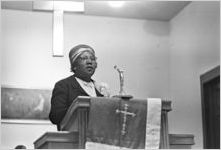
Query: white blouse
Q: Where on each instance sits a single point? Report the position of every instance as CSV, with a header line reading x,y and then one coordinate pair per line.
x,y
88,87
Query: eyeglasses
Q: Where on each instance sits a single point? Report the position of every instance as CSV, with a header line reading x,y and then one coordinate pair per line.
x,y
87,58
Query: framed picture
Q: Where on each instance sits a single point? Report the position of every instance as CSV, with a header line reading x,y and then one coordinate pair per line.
x,y
19,103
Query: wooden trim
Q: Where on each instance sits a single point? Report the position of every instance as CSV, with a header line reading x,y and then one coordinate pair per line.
x,y
204,78
209,75
82,126
26,87
25,121
176,141
164,134
84,102
59,137
181,139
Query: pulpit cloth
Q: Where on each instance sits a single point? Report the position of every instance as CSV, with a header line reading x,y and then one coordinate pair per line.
x,y
124,124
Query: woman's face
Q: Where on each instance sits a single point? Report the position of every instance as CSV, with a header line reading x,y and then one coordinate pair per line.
x,y
86,65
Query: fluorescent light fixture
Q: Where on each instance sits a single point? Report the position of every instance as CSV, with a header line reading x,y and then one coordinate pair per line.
x,y
116,3
58,33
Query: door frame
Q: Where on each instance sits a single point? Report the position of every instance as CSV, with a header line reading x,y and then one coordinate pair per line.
x,y
205,78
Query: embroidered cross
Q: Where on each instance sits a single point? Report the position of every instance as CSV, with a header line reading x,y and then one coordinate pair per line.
x,y
125,113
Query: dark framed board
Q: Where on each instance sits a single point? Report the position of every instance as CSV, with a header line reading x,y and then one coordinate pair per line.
x,y
19,103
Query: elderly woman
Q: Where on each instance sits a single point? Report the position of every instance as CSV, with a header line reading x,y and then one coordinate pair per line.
x,y
83,65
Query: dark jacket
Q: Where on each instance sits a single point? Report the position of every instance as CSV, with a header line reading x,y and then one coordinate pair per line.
x,y
63,94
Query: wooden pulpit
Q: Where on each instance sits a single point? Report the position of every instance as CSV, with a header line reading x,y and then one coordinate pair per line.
x,y
76,120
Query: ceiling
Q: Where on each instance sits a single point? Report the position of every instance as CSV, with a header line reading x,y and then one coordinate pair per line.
x,y
142,9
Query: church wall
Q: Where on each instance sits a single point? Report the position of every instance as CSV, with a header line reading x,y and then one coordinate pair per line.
x,y
194,50
137,46
13,134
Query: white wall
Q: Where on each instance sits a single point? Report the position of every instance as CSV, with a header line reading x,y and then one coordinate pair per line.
x,y
194,50
13,134
140,47
132,44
